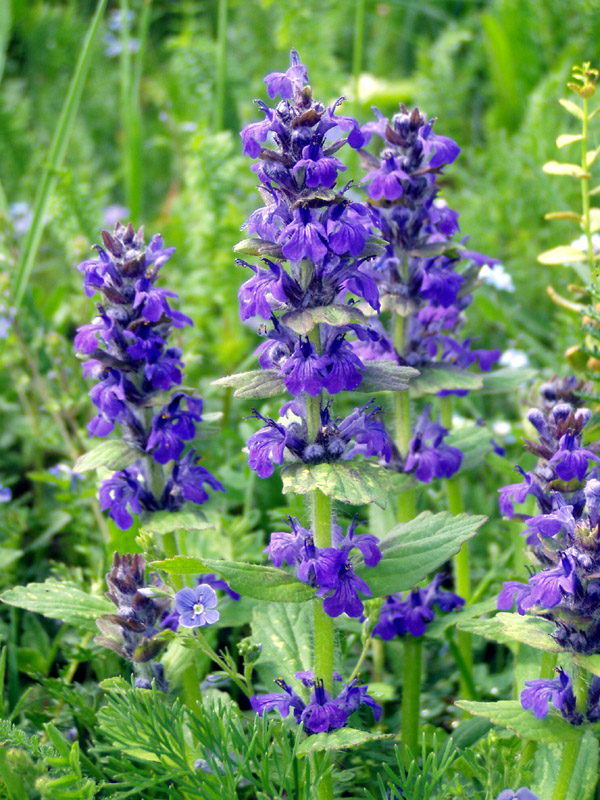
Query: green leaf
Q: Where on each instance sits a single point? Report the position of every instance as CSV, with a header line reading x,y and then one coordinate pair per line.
x,y
354,482
491,629
437,628
591,663
474,442
251,580
564,254
385,376
411,550
258,247
257,383
510,714
432,380
59,600
284,632
8,556
572,170
189,519
534,631
572,108
570,215
594,220
584,777
506,379
304,320
342,739
112,454
568,138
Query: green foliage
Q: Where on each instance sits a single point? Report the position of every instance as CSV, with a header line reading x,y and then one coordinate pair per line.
x,y
414,783
355,482
284,632
547,761
510,714
59,600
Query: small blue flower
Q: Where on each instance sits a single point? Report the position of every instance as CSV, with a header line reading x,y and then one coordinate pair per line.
x,y
560,690
196,606
5,494
520,794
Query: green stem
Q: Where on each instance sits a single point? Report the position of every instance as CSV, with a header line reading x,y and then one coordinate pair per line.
x,y
407,501
411,693
323,622
567,765
585,196
466,670
220,65
56,157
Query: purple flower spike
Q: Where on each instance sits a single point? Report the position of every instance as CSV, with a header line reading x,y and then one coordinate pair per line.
x,y
196,606
322,714
285,83
560,690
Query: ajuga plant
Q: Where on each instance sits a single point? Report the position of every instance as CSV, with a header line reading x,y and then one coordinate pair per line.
x,y
424,280
315,240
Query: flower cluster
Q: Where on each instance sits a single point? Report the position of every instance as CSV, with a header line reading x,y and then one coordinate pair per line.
x,y
131,631
411,614
322,713
310,304
134,365
564,536
361,432
418,275
329,569
427,454
559,690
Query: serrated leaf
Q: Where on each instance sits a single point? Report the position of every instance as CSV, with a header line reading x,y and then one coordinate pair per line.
x,y
474,441
564,254
572,108
584,777
258,581
568,138
115,684
486,628
189,519
285,632
257,383
304,320
385,376
510,714
571,170
570,215
112,454
59,600
258,247
411,550
354,482
342,739
434,379
506,379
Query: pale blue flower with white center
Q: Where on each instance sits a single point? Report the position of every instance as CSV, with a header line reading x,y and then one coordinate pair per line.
x,y
497,277
197,606
516,359
5,494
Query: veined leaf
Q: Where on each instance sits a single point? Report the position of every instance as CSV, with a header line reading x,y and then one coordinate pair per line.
x,y
506,379
510,714
303,321
568,138
112,454
572,108
59,600
474,442
258,581
573,170
385,376
342,739
257,383
564,254
411,550
354,482
285,632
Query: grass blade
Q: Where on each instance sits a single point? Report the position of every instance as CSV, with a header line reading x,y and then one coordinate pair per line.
x,y
56,157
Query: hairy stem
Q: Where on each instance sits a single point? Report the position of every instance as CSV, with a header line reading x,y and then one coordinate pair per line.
x,y
411,693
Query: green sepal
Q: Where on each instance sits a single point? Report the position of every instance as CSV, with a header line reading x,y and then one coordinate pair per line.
x,y
112,454
434,379
355,482
342,739
59,600
257,383
510,714
413,549
189,519
258,247
304,320
251,580
506,379
385,376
